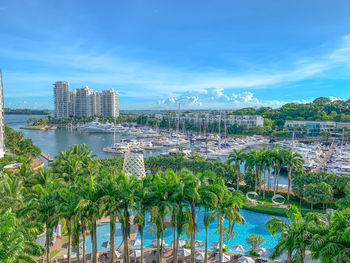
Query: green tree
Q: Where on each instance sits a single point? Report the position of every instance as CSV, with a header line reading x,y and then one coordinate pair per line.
x,y
237,158
255,241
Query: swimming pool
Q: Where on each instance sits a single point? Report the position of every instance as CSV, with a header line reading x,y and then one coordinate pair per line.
x,y
255,224
103,236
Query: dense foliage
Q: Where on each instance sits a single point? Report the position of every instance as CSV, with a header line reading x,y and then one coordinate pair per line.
x,y
18,148
27,111
79,190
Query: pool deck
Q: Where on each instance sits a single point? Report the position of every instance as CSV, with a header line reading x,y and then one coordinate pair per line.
x,y
149,255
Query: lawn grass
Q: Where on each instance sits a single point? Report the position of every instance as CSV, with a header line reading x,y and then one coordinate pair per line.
x,y
266,206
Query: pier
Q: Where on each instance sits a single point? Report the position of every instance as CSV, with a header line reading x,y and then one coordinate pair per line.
x,y
325,159
47,157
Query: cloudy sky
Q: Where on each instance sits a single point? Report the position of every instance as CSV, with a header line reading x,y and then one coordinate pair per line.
x,y
159,53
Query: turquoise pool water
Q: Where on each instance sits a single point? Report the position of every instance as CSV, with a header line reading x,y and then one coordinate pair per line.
x,y
103,236
255,224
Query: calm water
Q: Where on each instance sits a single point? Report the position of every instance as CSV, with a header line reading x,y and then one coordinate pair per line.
x,y
255,224
54,141
103,236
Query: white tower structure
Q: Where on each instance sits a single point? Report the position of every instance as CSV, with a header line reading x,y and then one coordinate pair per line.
x,y
2,127
134,165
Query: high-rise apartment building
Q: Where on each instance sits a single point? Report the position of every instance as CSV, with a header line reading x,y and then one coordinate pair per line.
x,y
83,107
96,103
2,128
110,103
62,99
84,102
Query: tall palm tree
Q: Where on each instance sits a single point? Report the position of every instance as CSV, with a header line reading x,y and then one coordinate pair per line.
x,y
254,164
293,161
126,202
294,235
277,158
110,204
68,202
90,193
192,198
44,206
237,158
141,205
228,207
176,197
161,205
209,199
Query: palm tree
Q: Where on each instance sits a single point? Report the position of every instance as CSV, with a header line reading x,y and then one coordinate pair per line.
x,y
294,234
161,205
111,205
176,197
68,202
192,198
237,157
126,201
253,163
141,204
293,161
277,158
90,194
15,246
228,207
266,164
209,199
12,192
44,207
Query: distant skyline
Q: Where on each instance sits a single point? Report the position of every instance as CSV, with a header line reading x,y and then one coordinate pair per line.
x,y
156,53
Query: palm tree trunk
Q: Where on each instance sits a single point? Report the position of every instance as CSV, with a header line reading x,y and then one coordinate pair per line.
x,y
238,174
206,245
112,233
174,237
161,245
78,253
158,247
69,239
193,234
47,244
289,181
221,239
141,234
274,181
268,181
93,239
289,259
264,184
84,239
176,247
278,177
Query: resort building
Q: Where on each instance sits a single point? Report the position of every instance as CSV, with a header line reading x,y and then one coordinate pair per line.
x,y
84,102
312,128
62,99
199,118
2,128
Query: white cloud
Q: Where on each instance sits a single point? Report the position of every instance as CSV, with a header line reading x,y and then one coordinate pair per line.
x,y
149,81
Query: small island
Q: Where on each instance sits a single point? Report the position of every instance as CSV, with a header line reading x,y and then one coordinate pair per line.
x,y
27,111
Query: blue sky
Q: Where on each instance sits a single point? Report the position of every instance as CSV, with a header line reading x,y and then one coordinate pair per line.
x,y
157,53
